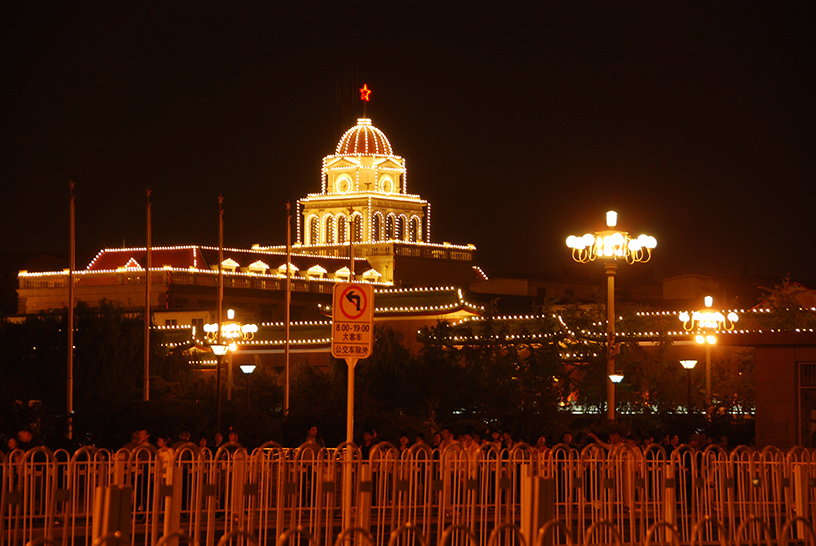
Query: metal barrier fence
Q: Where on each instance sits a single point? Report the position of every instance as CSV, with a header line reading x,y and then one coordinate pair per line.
x,y
321,497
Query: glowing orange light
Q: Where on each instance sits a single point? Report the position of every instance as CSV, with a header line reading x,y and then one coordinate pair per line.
x,y
365,92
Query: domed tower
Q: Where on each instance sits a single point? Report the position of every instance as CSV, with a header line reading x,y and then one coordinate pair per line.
x,y
364,210
363,196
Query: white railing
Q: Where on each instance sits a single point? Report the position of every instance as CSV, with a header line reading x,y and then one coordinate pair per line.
x,y
150,497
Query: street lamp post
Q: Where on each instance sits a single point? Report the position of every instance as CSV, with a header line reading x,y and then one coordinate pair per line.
x,y
248,369
688,365
705,323
611,245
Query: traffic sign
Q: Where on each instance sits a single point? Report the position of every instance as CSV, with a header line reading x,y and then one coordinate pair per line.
x,y
352,320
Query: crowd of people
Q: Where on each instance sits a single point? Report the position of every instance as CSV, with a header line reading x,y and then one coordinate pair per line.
x,y
469,439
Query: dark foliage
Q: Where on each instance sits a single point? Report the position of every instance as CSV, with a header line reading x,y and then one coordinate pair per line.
x,y
515,378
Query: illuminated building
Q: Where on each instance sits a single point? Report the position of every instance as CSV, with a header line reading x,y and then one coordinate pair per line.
x,y
183,282
364,206
363,203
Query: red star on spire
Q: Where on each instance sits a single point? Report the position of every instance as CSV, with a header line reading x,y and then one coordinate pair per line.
x,y
365,92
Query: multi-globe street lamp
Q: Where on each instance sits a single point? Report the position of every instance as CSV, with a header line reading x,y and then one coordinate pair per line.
x,y
231,332
610,246
688,365
706,323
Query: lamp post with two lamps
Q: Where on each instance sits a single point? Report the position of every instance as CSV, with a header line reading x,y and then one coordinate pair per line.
x,y
688,365
706,323
610,246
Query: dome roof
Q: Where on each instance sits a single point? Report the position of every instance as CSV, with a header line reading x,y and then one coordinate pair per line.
x,y
364,139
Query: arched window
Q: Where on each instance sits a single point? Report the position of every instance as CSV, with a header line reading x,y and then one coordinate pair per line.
x,y
399,231
389,227
329,230
314,231
413,229
376,231
357,229
341,229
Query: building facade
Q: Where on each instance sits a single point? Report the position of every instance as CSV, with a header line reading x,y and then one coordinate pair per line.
x,y
363,225
364,210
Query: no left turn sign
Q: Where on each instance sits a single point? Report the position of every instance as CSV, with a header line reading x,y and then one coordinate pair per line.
x,y
352,320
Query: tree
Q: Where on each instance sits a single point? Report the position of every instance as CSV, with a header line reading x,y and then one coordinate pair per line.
x,y
783,301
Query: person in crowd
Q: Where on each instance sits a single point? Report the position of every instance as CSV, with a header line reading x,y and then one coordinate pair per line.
x,y
218,440
163,441
468,442
367,444
507,440
26,439
183,438
541,446
632,440
404,442
144,437
670,443
607,443
165,454
580,441
134,441
202,441
446,438
495,438
15,453
313,436
142,470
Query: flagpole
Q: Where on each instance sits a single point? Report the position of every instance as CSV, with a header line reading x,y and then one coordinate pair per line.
x,y
287,309
351,244
71,267
219,307
147,305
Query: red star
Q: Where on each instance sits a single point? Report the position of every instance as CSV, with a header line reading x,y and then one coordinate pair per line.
x,y
365,92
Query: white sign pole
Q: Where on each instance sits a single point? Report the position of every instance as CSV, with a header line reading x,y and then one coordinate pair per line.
x,y
351,362
352,333
352,339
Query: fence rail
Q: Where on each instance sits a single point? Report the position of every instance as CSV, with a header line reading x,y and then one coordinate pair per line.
x,y
320,497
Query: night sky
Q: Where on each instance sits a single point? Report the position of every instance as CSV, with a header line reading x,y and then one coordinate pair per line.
x,y
520,122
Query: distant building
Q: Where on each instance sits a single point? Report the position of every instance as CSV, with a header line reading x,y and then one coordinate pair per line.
x,y
362,226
